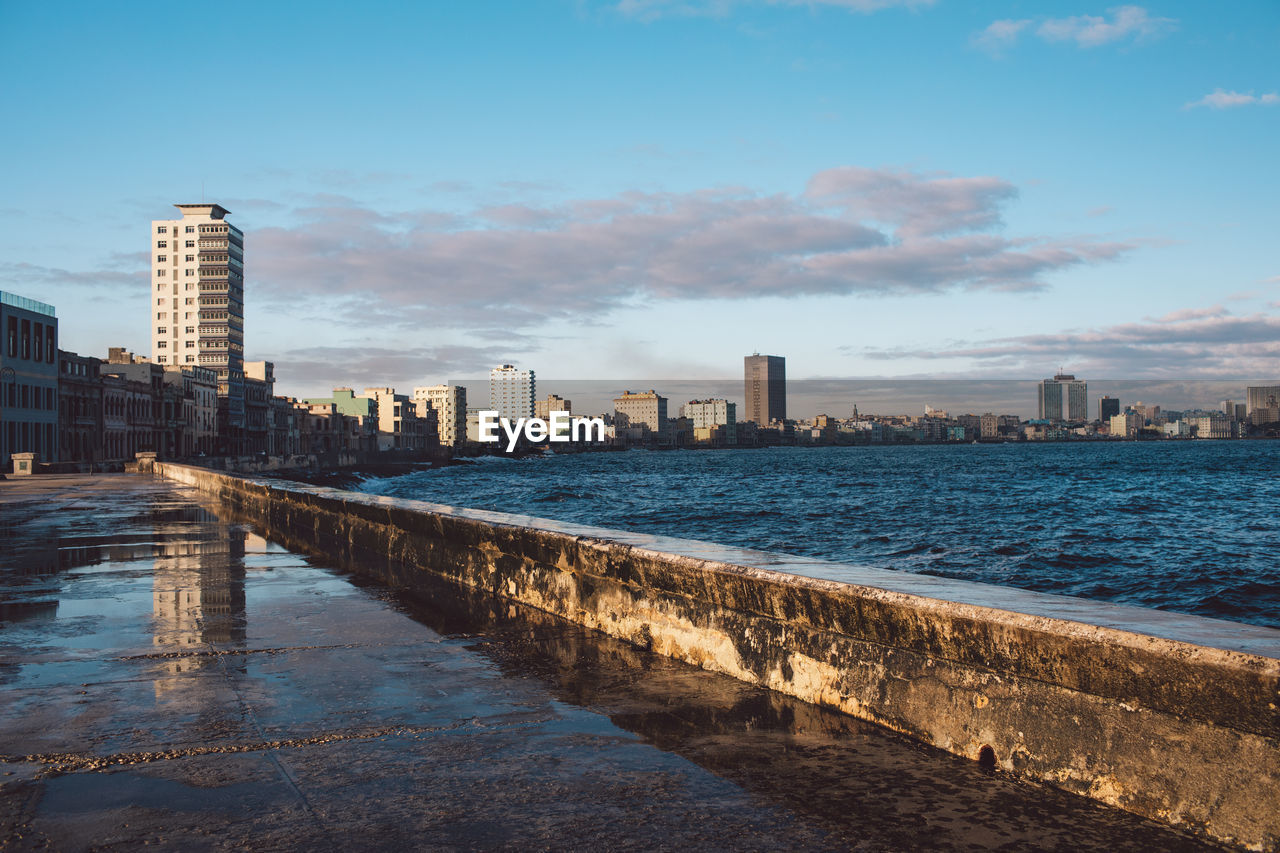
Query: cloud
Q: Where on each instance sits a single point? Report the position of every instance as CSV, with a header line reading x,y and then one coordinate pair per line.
x,y
1194,343
1122,23
1223,100
852,231
1000,34
323,368
31,278
648,10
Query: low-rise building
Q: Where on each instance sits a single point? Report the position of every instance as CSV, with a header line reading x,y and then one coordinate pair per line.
x,y
80,425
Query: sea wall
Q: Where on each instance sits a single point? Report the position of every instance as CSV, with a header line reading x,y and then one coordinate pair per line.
x,y
1169,716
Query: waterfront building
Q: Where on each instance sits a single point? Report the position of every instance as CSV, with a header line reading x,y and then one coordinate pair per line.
x,y
511,392
1263,404
399,426
450,405
259,388
1108,407
1235,411
714,420
197,305
765,388
79,408
644,409
552,403
1211,426
1063,398
28,379
1126,424
198,389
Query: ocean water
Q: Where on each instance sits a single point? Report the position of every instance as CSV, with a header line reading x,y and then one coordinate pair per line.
x,y
1187,526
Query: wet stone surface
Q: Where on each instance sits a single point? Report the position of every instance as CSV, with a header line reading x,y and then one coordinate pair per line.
x,y
172,678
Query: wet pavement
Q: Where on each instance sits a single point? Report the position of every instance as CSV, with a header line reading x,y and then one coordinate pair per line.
x,y
175,679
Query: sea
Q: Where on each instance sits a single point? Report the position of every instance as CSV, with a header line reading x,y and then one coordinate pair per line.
x,y
1188,526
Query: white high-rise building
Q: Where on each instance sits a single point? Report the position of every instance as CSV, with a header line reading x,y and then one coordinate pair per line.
x,y
1063,389
450,405
197,305
511,392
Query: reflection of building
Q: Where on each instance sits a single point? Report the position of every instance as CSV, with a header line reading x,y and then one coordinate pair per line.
x,y
197,310
511,392
197,590
765,388
28,379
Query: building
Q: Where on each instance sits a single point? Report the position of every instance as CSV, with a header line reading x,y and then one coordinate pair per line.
x,y
644,409
1063,398
765,388
553,403
28,379
198,388
1235,411
713,420
141,420
1263,404
1125,425
450,405
1108,407
197,287
79,408
399,426
259,388
511,392
1211,426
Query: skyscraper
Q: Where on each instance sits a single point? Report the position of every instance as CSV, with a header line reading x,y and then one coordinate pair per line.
x,y
197,288
765,388
1062,389
1108,407
511,392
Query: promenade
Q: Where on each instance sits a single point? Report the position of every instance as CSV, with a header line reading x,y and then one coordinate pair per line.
x,y
172,679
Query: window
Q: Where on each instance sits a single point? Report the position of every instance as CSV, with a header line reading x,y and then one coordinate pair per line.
x,y
190,258
190,301
161,358
162,229
26,339
162,330
162,258
191,229
13,337
191,272
191,344
190,329
188,285
38,350
160,316
162,244
191,244
162,344
162,272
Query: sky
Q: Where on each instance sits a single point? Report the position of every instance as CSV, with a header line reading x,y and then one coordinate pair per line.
x,y
656,188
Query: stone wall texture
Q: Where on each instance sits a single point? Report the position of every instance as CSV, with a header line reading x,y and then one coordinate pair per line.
x,y
1169,716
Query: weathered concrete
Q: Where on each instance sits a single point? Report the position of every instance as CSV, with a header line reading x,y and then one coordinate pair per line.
x,y
1172,717
173,680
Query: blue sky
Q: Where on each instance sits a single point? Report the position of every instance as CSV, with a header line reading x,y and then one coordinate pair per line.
x,y
649,189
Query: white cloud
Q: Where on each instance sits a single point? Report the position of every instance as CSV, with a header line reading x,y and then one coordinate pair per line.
x,y
1193,343
852,231
1120,24
1220,99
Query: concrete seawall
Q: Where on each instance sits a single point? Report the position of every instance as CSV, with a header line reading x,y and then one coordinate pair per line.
x,y
1169,716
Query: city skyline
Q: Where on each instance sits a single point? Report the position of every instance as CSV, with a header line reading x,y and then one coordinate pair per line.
x,y
1018,190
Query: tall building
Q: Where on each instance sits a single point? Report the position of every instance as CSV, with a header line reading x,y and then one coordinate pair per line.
x,y
450,405
552,403
197,285
28,380
765,388
511,392
1063,398
1108,407
1263,403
